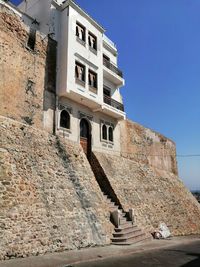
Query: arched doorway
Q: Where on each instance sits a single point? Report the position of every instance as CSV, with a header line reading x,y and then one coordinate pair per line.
x,y
85,137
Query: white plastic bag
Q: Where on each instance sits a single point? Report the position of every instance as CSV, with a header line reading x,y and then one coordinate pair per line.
x,y
164,230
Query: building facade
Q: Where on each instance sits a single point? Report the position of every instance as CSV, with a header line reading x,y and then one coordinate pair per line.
x,y
58,74
89,105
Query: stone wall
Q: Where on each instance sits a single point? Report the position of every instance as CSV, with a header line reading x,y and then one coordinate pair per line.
x,y
146,146
25,90
149,184
49,198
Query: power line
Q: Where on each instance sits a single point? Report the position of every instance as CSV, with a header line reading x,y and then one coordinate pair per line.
x,y
188,156
154,155
162,155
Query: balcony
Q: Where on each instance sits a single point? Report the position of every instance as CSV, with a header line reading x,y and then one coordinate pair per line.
x,y
109,42
112,67
112,73
113,103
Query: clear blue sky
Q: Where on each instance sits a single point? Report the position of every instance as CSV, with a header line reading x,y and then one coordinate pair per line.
x,y
159,53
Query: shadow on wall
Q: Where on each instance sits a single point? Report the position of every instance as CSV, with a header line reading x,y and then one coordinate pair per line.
x,y
49,96
79,189
102,179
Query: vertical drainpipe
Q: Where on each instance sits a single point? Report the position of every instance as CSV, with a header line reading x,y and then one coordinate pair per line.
x,y
25,5
58,30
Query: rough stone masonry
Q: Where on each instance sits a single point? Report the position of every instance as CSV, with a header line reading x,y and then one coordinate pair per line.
x,y
25,77
145,178
49,198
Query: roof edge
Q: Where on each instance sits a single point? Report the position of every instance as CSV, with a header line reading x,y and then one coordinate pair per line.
x,y
83,13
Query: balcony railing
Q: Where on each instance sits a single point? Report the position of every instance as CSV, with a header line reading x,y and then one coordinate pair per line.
x,y
112,67
108,100
107,40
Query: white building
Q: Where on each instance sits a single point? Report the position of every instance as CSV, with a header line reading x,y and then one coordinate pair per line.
x,y
89,104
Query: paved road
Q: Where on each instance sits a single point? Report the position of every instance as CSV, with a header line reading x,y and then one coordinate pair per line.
x,y
179,256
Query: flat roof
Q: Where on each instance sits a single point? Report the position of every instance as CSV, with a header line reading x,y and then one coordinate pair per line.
x,y
83,13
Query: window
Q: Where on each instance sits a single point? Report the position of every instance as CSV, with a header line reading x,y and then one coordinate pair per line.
x,y
107,95
92,79
84,128
31,39
80,32
107,129
110,134
80,72
64,119
106,60
106,91
92,41
104,132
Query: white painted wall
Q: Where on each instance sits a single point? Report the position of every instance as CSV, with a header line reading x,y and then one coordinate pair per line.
x,y
76,51
115,93
62,27
61,23
39,10
74,133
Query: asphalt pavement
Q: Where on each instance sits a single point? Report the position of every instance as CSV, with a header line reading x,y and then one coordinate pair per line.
x,y
176,256
176,251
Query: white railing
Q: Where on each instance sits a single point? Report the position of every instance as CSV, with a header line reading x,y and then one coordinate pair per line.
x,y
107,40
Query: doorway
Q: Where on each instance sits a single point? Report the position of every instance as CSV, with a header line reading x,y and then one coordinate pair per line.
x,y
85,137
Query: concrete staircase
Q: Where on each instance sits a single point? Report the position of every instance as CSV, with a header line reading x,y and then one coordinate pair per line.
x,y
126,233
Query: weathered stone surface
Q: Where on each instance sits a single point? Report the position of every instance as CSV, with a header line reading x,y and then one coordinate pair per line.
x,y
23,73
49,198
145,179
146,146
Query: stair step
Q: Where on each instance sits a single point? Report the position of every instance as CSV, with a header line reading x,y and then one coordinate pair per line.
x,y
141,239
125,223
126,231
128,237
123,219
125,228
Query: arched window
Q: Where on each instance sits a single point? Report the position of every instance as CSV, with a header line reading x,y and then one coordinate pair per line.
x,y
104,132
110,134
64,119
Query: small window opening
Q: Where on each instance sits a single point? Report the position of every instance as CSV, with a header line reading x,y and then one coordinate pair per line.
x,y
64,119
31,39
110,134
92,41
104,132
80,72
92,79
80,31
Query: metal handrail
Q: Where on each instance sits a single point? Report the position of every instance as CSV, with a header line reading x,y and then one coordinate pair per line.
x,y
108,100
112,67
